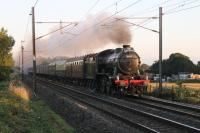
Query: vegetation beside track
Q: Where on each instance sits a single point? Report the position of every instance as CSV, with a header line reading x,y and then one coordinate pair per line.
x,y
19,114
182,84
177,92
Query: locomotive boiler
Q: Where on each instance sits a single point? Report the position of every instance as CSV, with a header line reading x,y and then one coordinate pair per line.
x,y
121,60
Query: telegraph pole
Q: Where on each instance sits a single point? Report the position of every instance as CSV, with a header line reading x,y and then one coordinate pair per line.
x,y
160,49
34,53
19,66
22,47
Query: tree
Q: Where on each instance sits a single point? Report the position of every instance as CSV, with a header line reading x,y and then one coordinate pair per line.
x,y
198,64
144,68
6,61
180,63
177,62
198,67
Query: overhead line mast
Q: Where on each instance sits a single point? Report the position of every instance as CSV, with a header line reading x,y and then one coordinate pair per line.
x,y
160,49
34,53
22,50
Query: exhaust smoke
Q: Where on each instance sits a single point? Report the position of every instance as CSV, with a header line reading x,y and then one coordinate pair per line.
x,y
89,36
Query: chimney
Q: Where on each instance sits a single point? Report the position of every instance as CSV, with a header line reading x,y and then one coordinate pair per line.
x,y
126,46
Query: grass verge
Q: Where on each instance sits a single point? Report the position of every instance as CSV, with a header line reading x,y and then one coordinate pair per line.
x,y
179,94
19,115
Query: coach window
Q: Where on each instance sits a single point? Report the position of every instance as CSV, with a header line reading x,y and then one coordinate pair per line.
x,y
78,66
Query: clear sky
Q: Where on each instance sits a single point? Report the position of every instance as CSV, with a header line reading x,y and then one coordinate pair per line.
x,y
181,30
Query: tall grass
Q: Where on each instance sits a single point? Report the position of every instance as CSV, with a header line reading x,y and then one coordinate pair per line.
x,y
177,93
18,114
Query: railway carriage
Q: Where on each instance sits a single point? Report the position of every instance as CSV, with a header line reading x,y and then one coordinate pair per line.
x,y
60,68
51,69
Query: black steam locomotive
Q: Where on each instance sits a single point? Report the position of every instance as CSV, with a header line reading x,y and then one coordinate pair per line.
x,y
112,71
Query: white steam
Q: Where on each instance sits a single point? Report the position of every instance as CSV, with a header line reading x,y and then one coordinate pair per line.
x,y
89,36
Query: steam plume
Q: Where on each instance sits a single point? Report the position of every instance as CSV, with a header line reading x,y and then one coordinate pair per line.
x,y
89,36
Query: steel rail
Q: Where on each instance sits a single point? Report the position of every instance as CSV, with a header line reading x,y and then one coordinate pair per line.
x,y
166,108
171,103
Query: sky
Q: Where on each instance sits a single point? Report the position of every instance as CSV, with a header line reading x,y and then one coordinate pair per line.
x,y
181,30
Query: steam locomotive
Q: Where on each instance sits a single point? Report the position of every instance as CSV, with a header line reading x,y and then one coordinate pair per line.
x,y
112,71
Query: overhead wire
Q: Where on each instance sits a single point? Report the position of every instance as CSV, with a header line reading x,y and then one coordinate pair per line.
x,y
180,5
148,10
111,5
27,25
147,19
66,25
165,6
55,30
26,30
93,6
139,26
135,2
109,17
100,22
130,5
66,32
28,58
184,9
143,23
25,33
134,24
35,3
151,9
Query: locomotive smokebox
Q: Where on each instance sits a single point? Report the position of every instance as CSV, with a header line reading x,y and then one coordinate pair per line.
x,y
126,46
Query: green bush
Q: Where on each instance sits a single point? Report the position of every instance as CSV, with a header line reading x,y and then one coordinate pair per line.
x,y
4,73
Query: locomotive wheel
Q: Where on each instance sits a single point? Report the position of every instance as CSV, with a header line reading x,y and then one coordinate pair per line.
x,y
103,85
108,87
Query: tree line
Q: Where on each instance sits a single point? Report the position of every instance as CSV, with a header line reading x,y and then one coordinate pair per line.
x,y
176,63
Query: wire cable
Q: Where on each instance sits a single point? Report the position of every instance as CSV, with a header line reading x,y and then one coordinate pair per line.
x,y
93,6
151,9
28,20
35,3
180,5
182,9
54,31
134,24
130,5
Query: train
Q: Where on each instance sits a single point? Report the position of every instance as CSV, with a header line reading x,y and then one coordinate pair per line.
x,y
111,71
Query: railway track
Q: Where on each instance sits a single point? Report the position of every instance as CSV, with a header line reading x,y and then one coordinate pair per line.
x,y
165,105
144,120
195,108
